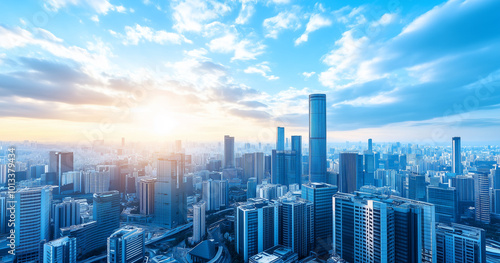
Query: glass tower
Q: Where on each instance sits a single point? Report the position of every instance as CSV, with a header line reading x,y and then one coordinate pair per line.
x,y
228,151
280,139
456,158
317,138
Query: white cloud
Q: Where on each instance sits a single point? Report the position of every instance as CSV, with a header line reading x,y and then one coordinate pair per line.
x,y
95,18
120,9
343,61
385,19
100,6
263,69
133,35
244,49
308,74
316,22
368,101
191,15
284,20
197,53
247,10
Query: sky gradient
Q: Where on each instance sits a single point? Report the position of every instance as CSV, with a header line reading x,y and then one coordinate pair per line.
x,y
416,71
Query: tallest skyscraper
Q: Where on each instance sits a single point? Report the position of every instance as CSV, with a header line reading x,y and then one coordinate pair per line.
x,y
317,138
456,156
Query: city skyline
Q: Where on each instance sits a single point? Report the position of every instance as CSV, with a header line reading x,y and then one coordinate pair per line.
x,y
391,72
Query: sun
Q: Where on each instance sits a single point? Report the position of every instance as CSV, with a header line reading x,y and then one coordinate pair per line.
x,y
163,124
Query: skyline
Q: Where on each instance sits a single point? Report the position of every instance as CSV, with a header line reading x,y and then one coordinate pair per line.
x,y
244,68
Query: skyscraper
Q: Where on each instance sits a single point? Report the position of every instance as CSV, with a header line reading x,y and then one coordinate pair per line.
x,y
66,214
256,227
445,199
280,139
59,163
259,166
198,221
370,148
251,188
147,196
297,151
107,214
169,207
376,228
296,224
60,250
460,243
456,151
482,197
351,176
317,138
32,222
126,245
417,187
320,194
228,151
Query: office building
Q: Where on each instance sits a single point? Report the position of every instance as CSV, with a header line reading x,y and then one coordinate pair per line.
x,y
317,138
465,191
417,187
211,194
460,243
170,208
256,227
369,227
85,235
482,197
32,222
259,170
147,196
228,151
36,171
251,188
66,213
96,181
456,151
351,175
60,162
280,139
296,224
286,167
106,211
320,194
445,200
61,250
198,221
126,245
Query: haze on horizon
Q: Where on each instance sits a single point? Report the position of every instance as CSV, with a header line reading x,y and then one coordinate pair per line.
x,y
197,70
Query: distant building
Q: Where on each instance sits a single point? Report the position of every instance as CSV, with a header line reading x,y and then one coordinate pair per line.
x,y
66,214
445,199
251,188
460,243
482,197
456,150
198,221
228,151
351,175
126,245
147,196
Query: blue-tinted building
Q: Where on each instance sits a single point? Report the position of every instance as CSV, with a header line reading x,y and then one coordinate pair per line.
x,y
60,250
351,175
320,194
251,187
285,167
169,201
107,214
317,138
456,166
445,199
126,245
280,139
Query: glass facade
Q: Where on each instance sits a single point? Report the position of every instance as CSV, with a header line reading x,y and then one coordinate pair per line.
x,y
317,138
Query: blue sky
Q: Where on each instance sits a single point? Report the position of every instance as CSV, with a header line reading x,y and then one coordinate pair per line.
x,y
420,71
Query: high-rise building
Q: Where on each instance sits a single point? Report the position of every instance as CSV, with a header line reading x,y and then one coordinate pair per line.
x,y
251,188
317,138
417,187
36,171
320,194
211,194
369,227
224,193
85,235
370,145
482,197
259,170
60,250
256,227
169,204
280,139
147,196
228,151
32,222
351,176
126,245
248,166
296,224
460,243
66,213
106,211
445,199
285,167
59,163
456,166
465,191
96,181
297,161
198,221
